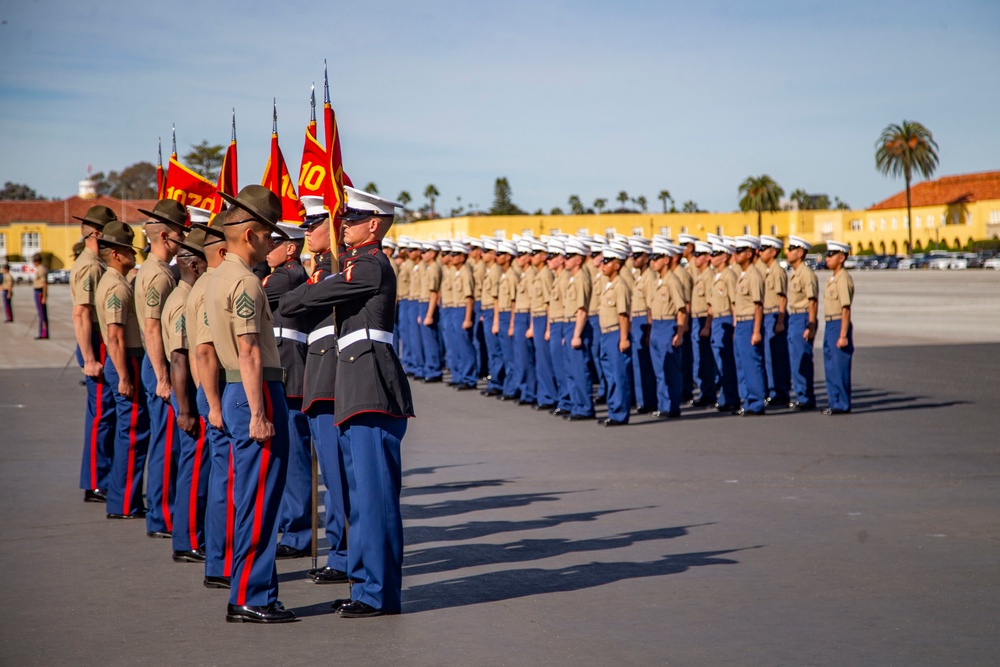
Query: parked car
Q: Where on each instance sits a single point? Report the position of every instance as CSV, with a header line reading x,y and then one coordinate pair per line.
x,y
992,263
58,276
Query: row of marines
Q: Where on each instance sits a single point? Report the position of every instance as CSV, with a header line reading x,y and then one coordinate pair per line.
x,y
646,321
210,385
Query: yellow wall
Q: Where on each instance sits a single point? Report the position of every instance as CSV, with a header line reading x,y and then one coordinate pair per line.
x,y
814,226
56,240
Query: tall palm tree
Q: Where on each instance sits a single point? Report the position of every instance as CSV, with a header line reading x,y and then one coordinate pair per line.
x,y
664,196
404,198
431,193
901,150
760,193
599,204
641,202
371,188
575,205
623,198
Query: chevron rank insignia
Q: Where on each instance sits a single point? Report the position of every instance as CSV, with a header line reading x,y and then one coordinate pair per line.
x,y
180,324
245,306
152,296
114,303
88,284
205,317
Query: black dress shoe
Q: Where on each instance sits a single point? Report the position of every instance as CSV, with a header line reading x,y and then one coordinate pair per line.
x,y
336,605
600,400
546,406
432,380
523,402
743,412
358,609
643,410
95,496
274,613
558,412
795,406
217,582
284,551
608,421
159,533
191,556
465,387
579,418
139,515
687,398
507,397
326,575
836,411
666,415
723,407
491,392
702,403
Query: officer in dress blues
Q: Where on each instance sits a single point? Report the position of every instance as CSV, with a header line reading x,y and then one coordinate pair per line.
x,y
91,353
838,339
373,403
287,273
253,403
803,308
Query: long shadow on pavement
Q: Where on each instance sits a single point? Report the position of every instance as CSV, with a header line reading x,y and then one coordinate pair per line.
x,y
450,487
474,529
452,507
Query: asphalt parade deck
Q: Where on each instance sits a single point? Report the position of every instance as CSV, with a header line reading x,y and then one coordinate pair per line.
x,y
793,539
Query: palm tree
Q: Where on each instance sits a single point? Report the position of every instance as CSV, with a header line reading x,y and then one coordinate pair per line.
x,y
641,202
404,198
575,205
599,204
431,193
664,196
371,188
902,149
760,193
623,198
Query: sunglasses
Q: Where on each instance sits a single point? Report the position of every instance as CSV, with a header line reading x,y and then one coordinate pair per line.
x,y
831,253
716,253
700,254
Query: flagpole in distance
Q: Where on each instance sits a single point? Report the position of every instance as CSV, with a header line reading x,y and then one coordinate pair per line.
x,y
334,241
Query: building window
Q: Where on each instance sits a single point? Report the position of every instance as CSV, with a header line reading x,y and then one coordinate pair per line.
x,y
828,227
746,229
930,222
882,223
583,231
954,218
774,230
968,218
637,231
31,243
500,234
665,231
857,225
610,233
871,225
3,246
718,228
554,231
995,216
894,222
684,229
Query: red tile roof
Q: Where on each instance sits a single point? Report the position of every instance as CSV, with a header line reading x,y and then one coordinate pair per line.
x,y
948,190
62,212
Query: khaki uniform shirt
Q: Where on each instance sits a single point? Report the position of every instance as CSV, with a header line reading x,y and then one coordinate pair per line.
x,y
557,313
508,289
41,276
803,285
115,304
687,284
775,285
723,292
640,292
579,289
666,297
463,285
153,284
699,295
616,299
478,275
597,282
404,278
83,278
749,291
692,269
174,322
430,281
447,291
491,285
839,294
417,281
541,291
522,298
7,284
195,315
236,305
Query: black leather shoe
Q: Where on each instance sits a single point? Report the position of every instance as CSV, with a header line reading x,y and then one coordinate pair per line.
x,y
722,407
192,556
284,551
326,575
523,402
835,411
547,406
140,515
216,582
665,415
687,398
558,412
95,496
491,392
432,380
743,412
579,418
465,387
336,605
159,533
643,410
600,400
703,403
608,421
507,397
795,406
358,609
274,613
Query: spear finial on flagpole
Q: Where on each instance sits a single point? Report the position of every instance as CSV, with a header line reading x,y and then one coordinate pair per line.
x,y
159,152
312,104
274,127
234,124
173,139
326,85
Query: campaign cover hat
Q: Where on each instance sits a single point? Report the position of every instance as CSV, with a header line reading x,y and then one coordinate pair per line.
x,y
170,212
117,233
98,216
195,242
262,204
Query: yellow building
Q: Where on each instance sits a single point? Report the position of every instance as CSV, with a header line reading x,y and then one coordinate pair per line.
x,y
952,210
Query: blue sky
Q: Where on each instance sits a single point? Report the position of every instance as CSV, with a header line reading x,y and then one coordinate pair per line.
x,y
562,98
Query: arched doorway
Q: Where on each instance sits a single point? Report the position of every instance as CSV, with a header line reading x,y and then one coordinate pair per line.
x,y
958,244
917,247
895,249
881,247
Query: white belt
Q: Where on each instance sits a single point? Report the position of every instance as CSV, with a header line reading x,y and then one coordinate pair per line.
x,y
290,334
364,334
322,332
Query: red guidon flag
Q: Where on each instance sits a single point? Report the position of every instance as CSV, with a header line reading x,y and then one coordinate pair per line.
x,y
161,178
227,175
189,188
277,180
313,172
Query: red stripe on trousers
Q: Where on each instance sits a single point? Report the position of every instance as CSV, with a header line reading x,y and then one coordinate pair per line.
x,y
168,519
98,413
258,505
230,515
131,436
193,500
